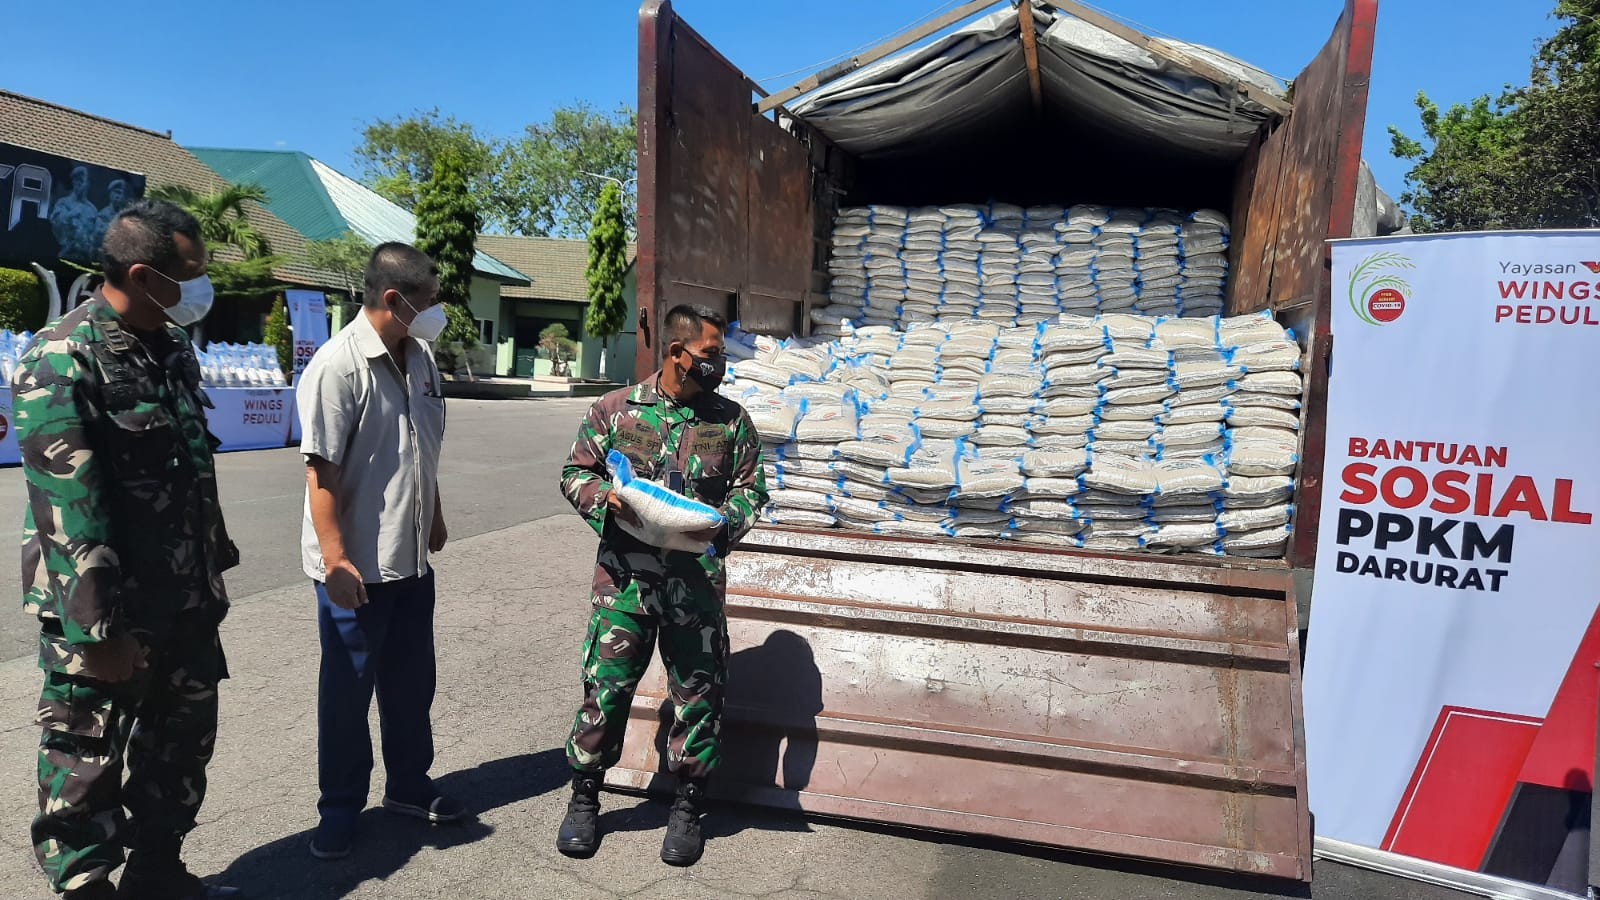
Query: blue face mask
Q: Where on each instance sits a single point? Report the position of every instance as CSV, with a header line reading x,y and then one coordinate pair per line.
x,y
195,297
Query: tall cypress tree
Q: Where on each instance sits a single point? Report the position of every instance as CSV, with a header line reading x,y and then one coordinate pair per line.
x,y
447,227
608,267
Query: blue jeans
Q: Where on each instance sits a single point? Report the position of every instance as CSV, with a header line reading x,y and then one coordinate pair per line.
x,y
385,645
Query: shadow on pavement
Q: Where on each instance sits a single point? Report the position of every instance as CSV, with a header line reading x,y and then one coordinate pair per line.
x,y
385,843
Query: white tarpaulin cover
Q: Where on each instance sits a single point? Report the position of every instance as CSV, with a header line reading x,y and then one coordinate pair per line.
x,y
976,78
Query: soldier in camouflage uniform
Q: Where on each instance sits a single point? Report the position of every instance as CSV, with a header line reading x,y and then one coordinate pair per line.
x,y
123,554
676,430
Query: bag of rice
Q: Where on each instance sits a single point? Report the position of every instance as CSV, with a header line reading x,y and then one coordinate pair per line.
x,y
1183,535
797,518
1138,396
1191,435
1185,478
979,478
1245,520
1286,383
1244,490
1123,431
1000,436
1172,515
1187,375
828,423
1244,400
946,429
1133,412
1120,475
1263,417
1250,329
1263,457
786,498
1194,414
1131,378
665,519
1265,544
1264,433
1268,356
885,450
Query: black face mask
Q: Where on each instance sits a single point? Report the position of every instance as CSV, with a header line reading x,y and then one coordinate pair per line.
x,y
707,373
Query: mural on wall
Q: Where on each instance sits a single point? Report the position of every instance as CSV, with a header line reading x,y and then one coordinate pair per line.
x,y
58,208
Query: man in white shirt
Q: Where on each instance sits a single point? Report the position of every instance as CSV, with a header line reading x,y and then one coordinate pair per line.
x,y
372,423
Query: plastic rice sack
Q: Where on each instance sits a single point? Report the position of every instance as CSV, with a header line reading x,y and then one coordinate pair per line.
x,y
1184,478
1183,535
1263,544
884,450
787,498
1258,519
665,518
1251,400
1264,417
978,477
1268,356
1195,414
1172,515
827,423
798,518
1287,383
774,418
1263,457
1190,435
1120,475
947,429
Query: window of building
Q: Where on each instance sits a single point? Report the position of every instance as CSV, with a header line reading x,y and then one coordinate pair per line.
x,y
486,332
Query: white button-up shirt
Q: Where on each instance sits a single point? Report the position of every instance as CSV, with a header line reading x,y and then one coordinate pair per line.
x,y
384,431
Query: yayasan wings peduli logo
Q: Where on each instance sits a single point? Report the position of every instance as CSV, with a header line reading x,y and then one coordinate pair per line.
x,y
1378,295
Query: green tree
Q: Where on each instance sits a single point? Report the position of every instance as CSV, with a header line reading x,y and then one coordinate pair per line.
x,y
447,227
345,257
23,302
547,189
559,347
244,268
607,271
1529,158
222,215
398,156
276,334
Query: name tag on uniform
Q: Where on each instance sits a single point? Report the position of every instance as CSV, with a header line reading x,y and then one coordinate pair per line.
x,y
709,440
639,442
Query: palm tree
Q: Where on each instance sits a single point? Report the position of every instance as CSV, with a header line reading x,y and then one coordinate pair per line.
x,y
222,215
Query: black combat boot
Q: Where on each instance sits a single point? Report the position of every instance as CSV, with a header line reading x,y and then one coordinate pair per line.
x,y
157,873
683,842
580,829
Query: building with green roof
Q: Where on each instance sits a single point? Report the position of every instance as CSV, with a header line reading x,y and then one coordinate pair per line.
x,y
321,203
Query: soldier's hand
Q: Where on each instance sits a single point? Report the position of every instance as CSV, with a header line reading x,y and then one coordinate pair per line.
x,y
114,660
344,585
620,509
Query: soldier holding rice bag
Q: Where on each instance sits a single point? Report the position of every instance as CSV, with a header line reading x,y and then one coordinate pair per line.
x,y
676,431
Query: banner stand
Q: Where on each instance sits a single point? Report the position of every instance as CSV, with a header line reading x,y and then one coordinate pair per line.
x,y
1422,870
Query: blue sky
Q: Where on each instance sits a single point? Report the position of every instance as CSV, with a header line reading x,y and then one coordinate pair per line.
x,y
306,75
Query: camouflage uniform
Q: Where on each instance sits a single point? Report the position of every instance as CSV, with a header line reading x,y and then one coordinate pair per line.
x,y
123,536
640,591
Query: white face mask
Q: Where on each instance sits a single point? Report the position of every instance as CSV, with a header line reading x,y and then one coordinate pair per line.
x,y
428,323
194,299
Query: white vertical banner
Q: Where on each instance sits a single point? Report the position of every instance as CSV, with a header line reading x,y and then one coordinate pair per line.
x,y
308,316
1450,688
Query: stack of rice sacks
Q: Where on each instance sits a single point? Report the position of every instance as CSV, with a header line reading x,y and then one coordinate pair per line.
x,y
1010,265
1118,432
